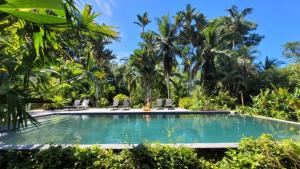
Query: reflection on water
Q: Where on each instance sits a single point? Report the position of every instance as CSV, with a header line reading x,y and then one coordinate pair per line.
x,y
96,129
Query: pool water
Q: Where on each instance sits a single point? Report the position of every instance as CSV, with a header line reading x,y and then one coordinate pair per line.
x,y
114,129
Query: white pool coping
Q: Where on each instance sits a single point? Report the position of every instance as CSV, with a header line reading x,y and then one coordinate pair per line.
x,y
120,146
273,119
108,111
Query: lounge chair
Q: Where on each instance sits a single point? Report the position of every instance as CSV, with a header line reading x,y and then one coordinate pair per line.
x,y
159,104
169,104
126,104
115,104
85,104
76,105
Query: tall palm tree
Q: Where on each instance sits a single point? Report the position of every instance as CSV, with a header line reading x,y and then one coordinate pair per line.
x,y
142,21
145,65
236,21
270,63
189,22
166,39
210,40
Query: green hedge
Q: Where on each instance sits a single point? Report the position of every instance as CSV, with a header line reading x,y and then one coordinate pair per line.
x,y
259,153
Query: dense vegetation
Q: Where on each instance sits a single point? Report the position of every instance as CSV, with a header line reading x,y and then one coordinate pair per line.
x,y
260,153
52,53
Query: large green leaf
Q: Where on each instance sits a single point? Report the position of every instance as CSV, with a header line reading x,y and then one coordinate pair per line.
x,y
24,9
37,4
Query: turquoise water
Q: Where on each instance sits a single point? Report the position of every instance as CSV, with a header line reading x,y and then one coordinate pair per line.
x,y
108,129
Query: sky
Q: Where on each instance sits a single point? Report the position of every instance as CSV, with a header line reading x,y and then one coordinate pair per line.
x,y
278,20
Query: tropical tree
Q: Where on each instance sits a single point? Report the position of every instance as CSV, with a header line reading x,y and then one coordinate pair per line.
x,y
34,34
189,22
142,21
166,41
238,30
31,22
270,64
292,50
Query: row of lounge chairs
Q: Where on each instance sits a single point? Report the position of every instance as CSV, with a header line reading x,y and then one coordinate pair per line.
x,y
116,104
79,105
159,104
83,105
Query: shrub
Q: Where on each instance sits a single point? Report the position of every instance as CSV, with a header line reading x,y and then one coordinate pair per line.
x,y
251,153
201,101
186,102
262,153
121,97
162,156
278,103
103,102
223,99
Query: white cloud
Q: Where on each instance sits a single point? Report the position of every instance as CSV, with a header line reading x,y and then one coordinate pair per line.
x,y
106,6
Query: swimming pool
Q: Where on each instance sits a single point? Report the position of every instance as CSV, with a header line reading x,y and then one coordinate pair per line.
x,y
134,129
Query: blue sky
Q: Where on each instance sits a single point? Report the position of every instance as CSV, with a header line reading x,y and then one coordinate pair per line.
x,y
278,20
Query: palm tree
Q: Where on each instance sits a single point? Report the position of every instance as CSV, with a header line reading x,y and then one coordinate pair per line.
x,y
210,42
270,63
143,21
166,39
236,22
190,22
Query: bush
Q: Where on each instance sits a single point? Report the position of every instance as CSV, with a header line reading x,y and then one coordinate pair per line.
x,y
223,99
201,101
262,153
162,156
278,103
186,102
103,102
121,97
252,153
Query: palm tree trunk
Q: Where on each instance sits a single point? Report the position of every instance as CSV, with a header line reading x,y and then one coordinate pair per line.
x,y
168,84
189,83
97,95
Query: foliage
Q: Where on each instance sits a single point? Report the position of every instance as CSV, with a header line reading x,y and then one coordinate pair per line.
x,y
251,153
121,97
103,102
287,77
23,9
43,58
203,101
278,103
186,102
52,51
262,153
161,156
292,50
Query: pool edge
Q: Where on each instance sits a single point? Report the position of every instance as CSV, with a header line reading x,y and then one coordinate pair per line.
x,y
120,146
272,119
